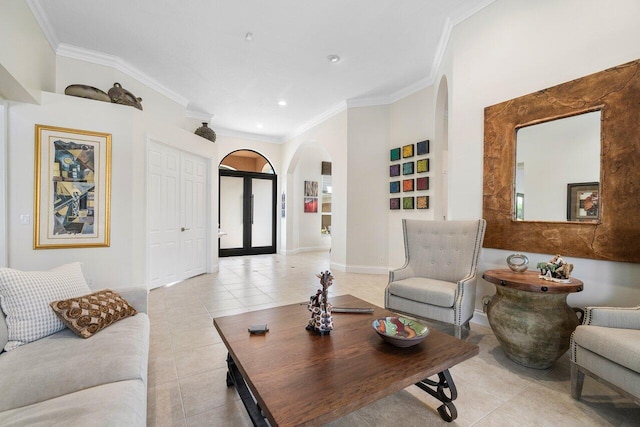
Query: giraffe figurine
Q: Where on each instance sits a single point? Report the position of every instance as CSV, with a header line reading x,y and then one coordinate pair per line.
x,y
320,307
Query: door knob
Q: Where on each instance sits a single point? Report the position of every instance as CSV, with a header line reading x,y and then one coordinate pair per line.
x,y
184,229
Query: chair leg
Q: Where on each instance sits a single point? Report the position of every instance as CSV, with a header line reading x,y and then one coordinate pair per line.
x,y
458,329
577,380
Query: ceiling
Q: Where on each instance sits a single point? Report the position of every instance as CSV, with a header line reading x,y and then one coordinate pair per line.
x,y
197,52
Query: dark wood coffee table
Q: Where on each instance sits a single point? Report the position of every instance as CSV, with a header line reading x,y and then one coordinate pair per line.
x,y
297,377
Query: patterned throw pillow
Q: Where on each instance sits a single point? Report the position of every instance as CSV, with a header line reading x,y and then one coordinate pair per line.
x,y
25,298
91,313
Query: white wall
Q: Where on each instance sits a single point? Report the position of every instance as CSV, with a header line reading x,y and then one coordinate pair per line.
x,y
367,189
410,121
331,134
515,47
27,62
307,225
124,262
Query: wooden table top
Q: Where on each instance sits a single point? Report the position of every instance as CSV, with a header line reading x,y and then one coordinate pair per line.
x,y
530,282
301,378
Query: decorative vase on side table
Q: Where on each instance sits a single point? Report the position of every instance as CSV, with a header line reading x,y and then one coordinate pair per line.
x,y
530,316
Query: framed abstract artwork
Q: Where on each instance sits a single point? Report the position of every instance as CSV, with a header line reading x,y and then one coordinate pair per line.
x,y
407,151
422,165
394,170
422,147
422,202
394,203
407,185
311,204
583,201
394,154
422,183
72,188
311,189
407,203
407,168
394,187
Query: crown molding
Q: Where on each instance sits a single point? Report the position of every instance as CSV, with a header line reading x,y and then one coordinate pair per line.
x,y
247,135
198,115
456,19
368,102
99,58
338,108
45,24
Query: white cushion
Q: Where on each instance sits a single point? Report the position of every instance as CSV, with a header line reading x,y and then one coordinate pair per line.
x,y
25,298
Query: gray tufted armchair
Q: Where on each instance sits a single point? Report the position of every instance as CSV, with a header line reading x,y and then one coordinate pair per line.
x,y
438,280
606,347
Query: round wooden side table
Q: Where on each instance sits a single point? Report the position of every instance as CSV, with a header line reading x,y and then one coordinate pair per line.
x,y
530,316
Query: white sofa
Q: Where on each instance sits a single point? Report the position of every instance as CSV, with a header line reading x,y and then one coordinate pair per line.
x,y
63,379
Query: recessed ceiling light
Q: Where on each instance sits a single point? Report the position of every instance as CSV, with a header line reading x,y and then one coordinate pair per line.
x,y
282,103
259,125
249,36
333,58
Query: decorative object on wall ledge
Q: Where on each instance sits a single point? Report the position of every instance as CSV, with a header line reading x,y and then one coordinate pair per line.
x,y
518,262
120,95
72,188
206,132
88,92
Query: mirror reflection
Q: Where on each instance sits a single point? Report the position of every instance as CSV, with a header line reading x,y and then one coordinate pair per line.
x,y
558,170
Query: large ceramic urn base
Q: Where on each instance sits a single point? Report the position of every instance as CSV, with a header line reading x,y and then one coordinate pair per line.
x,y
532,324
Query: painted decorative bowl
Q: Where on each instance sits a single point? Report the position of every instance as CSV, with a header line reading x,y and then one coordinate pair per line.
x,y
400,331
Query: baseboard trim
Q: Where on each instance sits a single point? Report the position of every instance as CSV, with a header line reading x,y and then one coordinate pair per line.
x,y
367,269
480,318
307,249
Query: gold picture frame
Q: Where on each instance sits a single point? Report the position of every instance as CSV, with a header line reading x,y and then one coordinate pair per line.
x,y
72,188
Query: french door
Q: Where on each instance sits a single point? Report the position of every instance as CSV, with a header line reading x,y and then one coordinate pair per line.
x,y
247,213
177,213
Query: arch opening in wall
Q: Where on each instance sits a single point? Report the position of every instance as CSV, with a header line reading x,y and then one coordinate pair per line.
x,y
246,161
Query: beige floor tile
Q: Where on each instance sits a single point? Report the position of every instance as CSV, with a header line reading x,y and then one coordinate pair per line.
x,y
193,338
206,391
164,405
187,360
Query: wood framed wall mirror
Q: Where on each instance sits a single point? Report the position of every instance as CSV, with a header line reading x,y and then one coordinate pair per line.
x,y
579,193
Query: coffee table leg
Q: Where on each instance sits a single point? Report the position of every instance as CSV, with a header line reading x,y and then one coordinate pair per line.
x,y
234,377
447,410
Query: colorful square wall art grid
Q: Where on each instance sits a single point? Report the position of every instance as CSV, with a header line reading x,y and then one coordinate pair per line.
x,y
407,151
407,185
422,202
422,147
407,203
394,187
394,170
422,165
394,203
422,183
394,154
407,168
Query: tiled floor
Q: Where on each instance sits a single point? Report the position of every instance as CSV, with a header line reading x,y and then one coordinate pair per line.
x,y
187,358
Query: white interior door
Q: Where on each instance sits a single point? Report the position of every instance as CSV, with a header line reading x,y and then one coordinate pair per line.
x,y
177,215
193,212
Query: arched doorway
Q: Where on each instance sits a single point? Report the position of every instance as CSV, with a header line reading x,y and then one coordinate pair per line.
x,y
247,204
